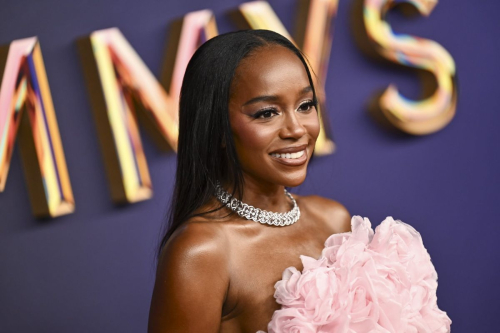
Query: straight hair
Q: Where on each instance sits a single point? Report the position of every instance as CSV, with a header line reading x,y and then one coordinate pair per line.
x,y
206,153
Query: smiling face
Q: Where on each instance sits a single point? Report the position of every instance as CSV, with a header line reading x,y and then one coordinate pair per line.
x,y
273,117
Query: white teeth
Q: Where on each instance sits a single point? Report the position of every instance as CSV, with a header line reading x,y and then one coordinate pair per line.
x,y
290,156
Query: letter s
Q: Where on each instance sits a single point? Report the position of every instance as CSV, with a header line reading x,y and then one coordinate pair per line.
x,y
437,109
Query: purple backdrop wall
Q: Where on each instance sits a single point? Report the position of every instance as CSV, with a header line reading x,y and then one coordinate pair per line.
x,y
93,271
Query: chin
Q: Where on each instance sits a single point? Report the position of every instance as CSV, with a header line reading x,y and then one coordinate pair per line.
x,y
294,184
272,173
290,178
293,181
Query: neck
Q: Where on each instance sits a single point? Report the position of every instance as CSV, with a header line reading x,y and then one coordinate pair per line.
x,y
264,195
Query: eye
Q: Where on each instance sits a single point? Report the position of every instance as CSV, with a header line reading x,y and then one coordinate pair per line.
x,y
267,113
306,106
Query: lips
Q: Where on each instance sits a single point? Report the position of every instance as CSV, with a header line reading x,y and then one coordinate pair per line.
x,y
290,156
294,149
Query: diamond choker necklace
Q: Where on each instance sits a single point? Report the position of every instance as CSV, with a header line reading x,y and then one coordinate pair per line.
x,y
257,214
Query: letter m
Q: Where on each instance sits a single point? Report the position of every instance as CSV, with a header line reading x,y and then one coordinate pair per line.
x,y
27,112
123,90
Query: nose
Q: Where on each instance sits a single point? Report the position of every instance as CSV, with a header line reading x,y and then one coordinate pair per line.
x,y
292,127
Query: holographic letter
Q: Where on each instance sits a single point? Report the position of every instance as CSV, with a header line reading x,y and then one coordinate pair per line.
x,y
313,37
437,108
123,89
27,111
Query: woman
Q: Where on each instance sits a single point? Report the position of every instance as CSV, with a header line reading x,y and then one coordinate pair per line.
x,y
247,100
248,126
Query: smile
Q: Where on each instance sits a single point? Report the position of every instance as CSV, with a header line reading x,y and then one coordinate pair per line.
x,y
292,156
290,159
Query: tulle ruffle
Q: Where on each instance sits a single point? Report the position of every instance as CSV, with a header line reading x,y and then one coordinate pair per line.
x,y
364,281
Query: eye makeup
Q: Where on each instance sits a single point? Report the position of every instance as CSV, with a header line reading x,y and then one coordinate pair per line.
x,y
265,113
308,104
270,112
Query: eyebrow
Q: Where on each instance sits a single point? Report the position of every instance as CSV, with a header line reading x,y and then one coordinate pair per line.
x,y
272,98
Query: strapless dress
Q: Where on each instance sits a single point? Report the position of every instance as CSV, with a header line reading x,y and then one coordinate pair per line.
x,y
364,282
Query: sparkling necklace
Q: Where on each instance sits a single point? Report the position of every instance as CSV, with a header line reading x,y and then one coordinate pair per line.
x,y
257,214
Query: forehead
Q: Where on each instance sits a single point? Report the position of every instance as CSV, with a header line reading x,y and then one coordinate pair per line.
x,y
270,70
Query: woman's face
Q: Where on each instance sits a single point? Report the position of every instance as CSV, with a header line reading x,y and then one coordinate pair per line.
x,y
273,117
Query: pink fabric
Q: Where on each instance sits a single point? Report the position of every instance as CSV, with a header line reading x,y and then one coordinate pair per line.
x,y
364,282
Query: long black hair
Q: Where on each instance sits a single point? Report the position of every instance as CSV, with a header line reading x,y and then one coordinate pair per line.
x,y
206,152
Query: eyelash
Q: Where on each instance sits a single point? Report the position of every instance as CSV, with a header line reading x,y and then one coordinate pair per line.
x,y
309,104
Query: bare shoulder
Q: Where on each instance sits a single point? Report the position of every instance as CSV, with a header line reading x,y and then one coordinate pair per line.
x,y
197,240
191,280
327,210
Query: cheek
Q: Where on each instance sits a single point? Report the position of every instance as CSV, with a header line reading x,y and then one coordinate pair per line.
x,y
311,123
250,139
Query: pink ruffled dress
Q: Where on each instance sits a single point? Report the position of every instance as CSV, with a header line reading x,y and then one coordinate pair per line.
x,y
364,282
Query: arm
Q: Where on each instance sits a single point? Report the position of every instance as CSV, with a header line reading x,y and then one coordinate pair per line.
x,y
191,282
